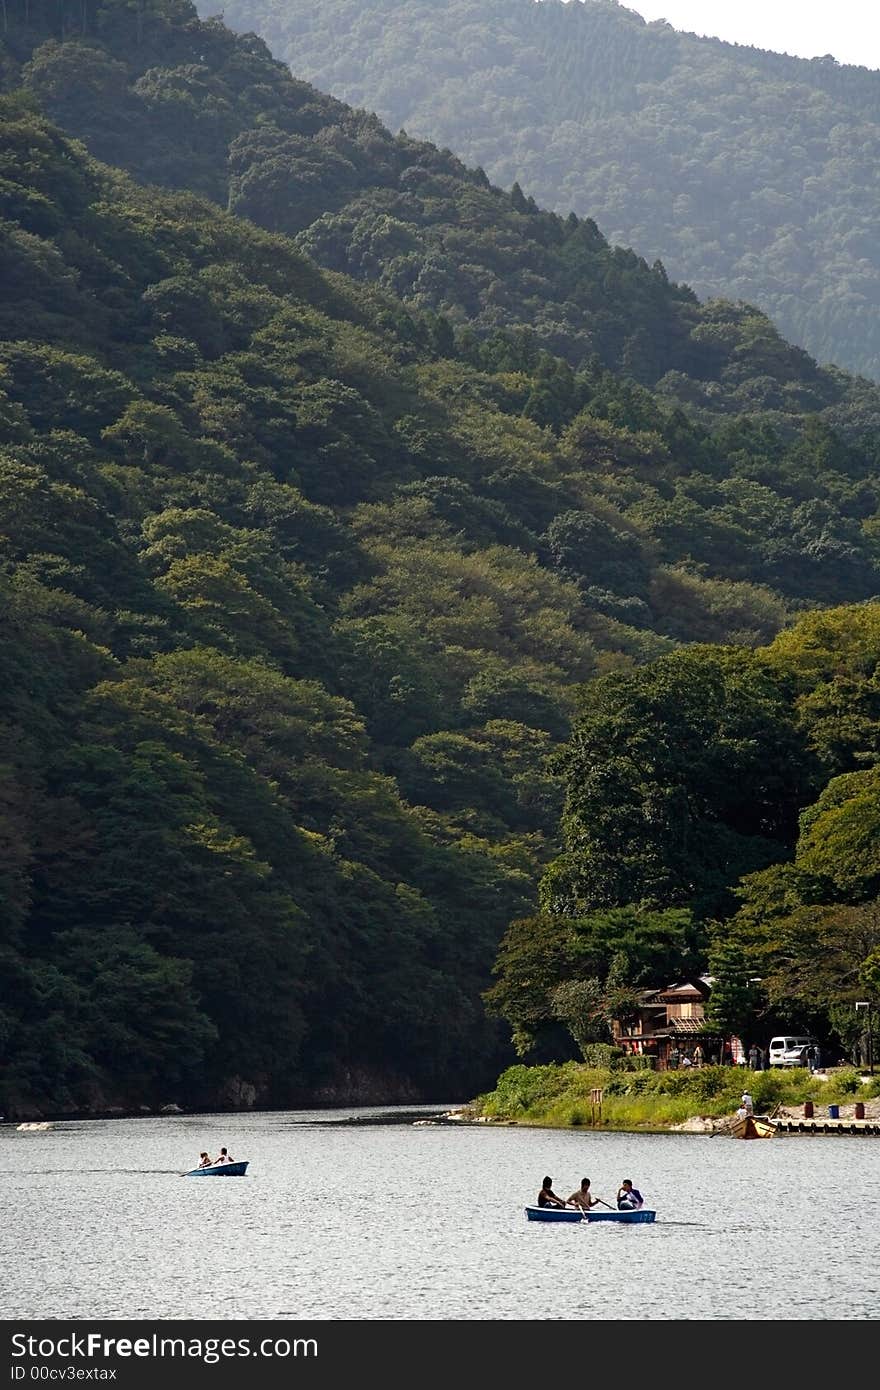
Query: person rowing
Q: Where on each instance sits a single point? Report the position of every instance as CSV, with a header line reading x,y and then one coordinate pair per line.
x,y
547,1197
224,1156
583,1198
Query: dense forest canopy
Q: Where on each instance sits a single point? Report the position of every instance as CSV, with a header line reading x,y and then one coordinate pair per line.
x,y
299,581
721,809
751,174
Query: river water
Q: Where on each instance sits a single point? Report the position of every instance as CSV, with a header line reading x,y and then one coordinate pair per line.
x,y
371,1219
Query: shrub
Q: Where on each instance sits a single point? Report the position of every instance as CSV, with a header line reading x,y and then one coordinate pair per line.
x,y
710,1081
604,1056
848,1082
618,1085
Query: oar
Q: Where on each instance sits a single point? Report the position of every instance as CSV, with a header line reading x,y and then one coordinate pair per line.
x,y
606,1204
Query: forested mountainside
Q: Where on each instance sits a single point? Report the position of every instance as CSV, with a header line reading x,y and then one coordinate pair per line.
x,y
752,175
298,586
189,105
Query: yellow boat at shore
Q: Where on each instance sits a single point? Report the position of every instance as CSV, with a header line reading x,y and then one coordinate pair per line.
x,y
753,1127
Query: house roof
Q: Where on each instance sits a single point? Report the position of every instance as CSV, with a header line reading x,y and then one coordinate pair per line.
x,y
687,989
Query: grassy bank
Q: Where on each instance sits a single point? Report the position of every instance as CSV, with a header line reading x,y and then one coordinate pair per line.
x,y
559,1096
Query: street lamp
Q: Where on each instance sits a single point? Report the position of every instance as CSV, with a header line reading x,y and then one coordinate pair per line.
x,y
866,1005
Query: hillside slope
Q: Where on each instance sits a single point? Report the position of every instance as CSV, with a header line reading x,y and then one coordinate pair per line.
x,y
187,104
298,587
751,174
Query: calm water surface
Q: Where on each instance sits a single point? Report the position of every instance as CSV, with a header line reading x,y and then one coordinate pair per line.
x,y
378,1220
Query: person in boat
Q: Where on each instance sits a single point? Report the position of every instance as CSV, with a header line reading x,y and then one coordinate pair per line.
x,y
547,1197
205,1161
224,1156
583,1198
629,1198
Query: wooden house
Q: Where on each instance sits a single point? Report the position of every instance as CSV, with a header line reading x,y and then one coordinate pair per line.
x,y
669,1025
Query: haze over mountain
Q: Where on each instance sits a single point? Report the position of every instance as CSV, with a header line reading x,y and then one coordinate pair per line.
x,y
751,174
302,569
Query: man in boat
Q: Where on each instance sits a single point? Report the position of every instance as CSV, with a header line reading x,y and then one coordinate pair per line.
x,y
583,1198
224,1156
547,1197
629,1198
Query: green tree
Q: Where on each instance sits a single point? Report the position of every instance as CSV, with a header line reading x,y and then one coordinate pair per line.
x,y
579,1004
734,1004
680,777
537,955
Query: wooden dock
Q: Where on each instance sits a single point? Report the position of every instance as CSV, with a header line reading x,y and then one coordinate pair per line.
x,y
819,1125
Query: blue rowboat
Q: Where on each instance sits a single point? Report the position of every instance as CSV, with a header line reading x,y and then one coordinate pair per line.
x,y
553,1214
220,1170
642,1217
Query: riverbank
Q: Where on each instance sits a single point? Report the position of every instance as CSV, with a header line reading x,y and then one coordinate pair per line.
x,y
695,1101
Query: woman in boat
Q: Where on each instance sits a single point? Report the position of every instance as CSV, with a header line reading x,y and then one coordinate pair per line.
x,y
547,1197
629,1198
583,1198
204,1160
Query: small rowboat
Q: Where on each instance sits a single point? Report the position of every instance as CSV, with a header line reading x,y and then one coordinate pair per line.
x,y
640,1217
220,1170
753,1127
554,1214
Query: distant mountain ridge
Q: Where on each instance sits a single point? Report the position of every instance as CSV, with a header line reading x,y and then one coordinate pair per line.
x,y
188,104
751,174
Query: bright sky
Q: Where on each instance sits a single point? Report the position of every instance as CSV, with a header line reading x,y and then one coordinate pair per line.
x,y
850,29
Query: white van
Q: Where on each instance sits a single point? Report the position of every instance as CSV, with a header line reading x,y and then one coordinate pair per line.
x,y
789,1051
